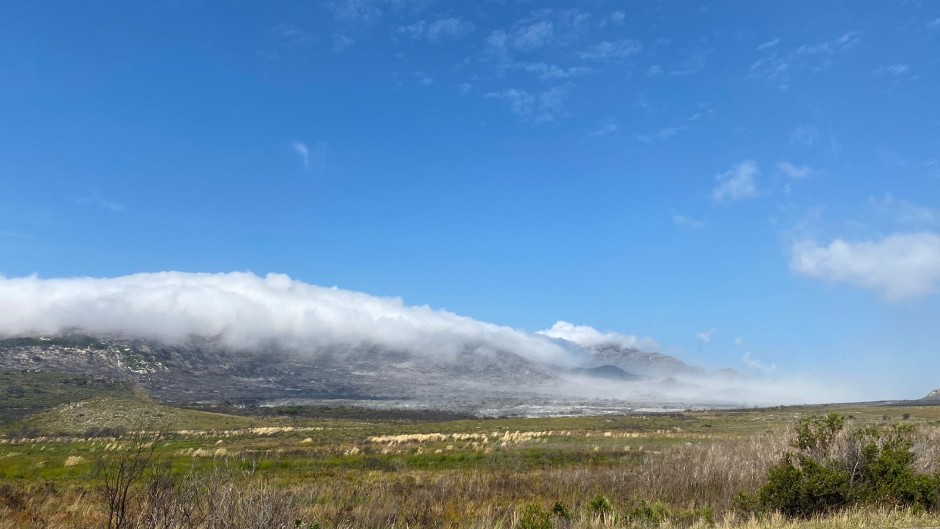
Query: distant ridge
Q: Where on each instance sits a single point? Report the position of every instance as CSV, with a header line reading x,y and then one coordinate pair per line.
x,y
933,395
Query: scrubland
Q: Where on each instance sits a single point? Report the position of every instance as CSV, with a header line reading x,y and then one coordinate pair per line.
x,y
693,469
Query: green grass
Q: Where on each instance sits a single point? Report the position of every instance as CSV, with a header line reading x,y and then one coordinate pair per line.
x,y
331,457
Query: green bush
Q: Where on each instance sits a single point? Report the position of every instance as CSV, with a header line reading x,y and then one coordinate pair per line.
x,y
561,511
600,505
875,466
534,517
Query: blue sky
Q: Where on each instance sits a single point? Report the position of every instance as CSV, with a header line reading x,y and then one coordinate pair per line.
x,y
750,185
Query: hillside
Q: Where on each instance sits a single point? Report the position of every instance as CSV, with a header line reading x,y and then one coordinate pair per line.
x,y
477,379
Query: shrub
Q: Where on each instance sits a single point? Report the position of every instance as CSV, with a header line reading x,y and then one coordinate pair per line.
x,y
832,470
534,517
561,511
600,505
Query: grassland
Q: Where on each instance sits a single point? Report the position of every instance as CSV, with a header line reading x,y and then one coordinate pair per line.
x,y
342,468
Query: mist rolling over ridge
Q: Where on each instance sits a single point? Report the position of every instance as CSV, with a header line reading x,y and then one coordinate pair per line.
x,y
275,339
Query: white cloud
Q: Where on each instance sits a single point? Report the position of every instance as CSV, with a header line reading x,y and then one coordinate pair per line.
x,y
533,36
737,184
903,211
934,24
359,11
442,28
688,222
245,311
341,42
892,69
465,88
654,70
806,135
292,35
611,50
756,365
617,18
662,134
497,43
769,44
453,28
587,336
900,266
95,199
538,108
605,128
795,172
704,338
303,151
845,41
542,28
551,72
424,79
415,31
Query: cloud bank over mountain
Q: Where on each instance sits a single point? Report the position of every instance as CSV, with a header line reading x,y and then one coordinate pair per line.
x,y
247,312
244,310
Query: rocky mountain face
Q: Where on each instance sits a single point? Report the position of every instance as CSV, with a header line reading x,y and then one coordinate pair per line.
x,y
933,395
203,371
652,365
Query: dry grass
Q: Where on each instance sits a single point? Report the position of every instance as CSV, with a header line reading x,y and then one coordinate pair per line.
x,y
693,476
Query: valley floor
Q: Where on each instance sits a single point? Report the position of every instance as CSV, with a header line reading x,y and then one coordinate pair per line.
x,y
327,468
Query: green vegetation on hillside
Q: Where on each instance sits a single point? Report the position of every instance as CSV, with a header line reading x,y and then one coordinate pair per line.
x,y
26,392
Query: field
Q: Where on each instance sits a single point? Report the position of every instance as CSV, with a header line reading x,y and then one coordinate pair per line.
x,y
352,468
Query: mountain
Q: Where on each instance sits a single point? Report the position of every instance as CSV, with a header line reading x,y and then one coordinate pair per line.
x,y
933,395
632,360
202,370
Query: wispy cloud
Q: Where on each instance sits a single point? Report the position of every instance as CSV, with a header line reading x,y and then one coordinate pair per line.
x,y
291,34
844,41
688,222
95,199
756,365
899,267
611,50
704,338
341,43
542,28
796,172
777,65
769,44
903,211
552,72
356,11
661,134
806,135
617,18
533,36
534,107
737,184
303,151
423,78
440,29
605,128
895,69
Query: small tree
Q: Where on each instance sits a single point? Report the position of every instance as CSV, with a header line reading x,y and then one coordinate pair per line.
x,y
121,472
